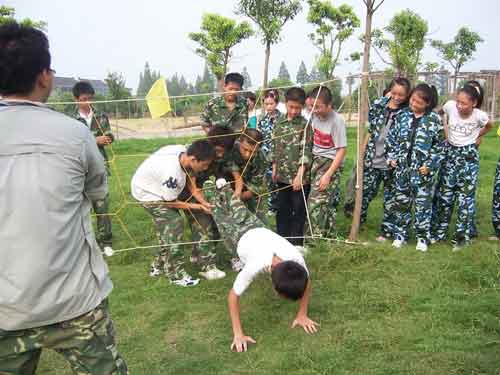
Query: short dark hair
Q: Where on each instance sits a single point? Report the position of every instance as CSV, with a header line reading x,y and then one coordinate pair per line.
x,y
24,53
480,89
289,279
295,94
273,94
251,96
323,93
428,94
235,78
220,136
251,136
82,88
202,150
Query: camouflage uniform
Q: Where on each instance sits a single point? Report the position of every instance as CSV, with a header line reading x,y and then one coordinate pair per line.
x,y
379,117
216,113
87,342
292,148
253,173
322,205
100,126
496,202
457,181
413,144
169,225
232,216
266,125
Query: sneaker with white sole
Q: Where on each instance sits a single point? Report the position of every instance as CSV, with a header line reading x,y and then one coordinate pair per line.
x,y
220,183
421,246
108,251
154,272
398,243
493,238
213,273
236,264
185,281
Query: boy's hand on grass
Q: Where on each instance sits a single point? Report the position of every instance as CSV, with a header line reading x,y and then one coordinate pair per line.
x,y
240,343
324,181
310,326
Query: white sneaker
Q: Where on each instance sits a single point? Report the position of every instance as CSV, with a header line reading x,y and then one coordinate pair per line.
x,y
220,183
434,241
456,247
236,264
154,272
302,250
493,238
194,259
398,243
421,245
108,251
185,281
213,273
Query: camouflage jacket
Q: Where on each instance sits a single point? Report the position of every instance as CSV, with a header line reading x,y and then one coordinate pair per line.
x,y
216,113
219,168
252,171
291,148
413,148
99,127
377,119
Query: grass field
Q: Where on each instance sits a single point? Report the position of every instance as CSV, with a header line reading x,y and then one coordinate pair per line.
x,y
381,311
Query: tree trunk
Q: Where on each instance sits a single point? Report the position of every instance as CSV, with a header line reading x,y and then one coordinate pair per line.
x,y
353,235
455,81
266,63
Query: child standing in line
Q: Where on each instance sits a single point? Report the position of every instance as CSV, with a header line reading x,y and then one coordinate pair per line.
x,y
415,150
291,156
329,149
381,116
459,175
252,112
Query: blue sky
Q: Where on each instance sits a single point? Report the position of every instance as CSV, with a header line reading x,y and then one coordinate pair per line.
x,y
89,38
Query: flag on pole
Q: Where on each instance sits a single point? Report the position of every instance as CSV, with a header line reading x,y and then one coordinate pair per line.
x,y
498,131
157,99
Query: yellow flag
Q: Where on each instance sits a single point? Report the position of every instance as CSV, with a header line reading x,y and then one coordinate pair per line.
x,y
157,99
498,131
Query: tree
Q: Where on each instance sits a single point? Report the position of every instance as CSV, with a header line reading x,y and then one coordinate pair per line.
x,y
371,8
116,91
146,80
248,81
316,75
217,37
333,27
7,15
283,74
459,51
408,31
302,76
270,16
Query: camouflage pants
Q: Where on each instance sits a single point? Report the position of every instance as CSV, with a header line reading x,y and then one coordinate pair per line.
x,y
350,193
496,202
259,206
322,205
417,193
457,182
87,342
372,178
203,229
103,234
169,225
232,217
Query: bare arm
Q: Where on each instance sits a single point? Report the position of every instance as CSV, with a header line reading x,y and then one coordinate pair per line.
x,y
240,341
302,319
238,184
197,193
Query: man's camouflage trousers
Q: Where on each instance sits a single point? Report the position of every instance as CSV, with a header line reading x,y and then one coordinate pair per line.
x,y
322,205
169,224
457,183
87,342
104,234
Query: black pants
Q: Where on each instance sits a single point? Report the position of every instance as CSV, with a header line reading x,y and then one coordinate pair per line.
x,y
291,214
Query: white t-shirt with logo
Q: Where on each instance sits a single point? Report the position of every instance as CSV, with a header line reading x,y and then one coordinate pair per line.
x,y
329,135
256,249
463,131
160,176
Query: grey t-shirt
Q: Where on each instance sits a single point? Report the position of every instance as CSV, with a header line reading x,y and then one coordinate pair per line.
x,y
329,135
379,159
51,268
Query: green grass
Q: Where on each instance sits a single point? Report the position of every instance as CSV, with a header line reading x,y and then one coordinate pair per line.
x,y
381,311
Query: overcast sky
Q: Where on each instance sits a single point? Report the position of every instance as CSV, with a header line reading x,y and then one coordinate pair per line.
x,y
90,38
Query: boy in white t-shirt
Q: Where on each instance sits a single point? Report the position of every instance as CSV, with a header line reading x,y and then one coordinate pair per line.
x,y
459,174
329,150
158,184
260,250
